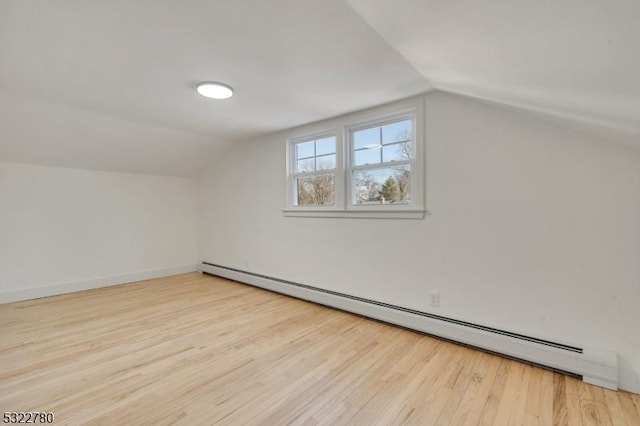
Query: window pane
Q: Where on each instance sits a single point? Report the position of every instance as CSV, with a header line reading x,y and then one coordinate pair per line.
x,y
389,185
396,152
396,132
326,146
326,162
304,149
367,156
366,137
307,165
316,190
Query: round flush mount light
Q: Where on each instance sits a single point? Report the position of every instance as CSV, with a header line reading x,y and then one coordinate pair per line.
x,y
215,90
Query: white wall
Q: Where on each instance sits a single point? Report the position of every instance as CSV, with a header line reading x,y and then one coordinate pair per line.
x,y
68,229
532,227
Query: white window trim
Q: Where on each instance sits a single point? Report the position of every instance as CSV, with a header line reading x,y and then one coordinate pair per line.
x,y
417,176
291,169
340,128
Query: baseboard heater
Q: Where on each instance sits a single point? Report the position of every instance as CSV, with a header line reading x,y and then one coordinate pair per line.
x,y
595,366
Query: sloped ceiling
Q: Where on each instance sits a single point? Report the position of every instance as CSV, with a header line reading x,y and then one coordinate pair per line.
x,y
579,60
110,84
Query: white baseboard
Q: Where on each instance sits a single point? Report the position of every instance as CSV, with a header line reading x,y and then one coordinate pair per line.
x,y
596,366
10,296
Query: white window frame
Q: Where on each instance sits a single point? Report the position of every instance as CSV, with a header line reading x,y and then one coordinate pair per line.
x,y
292,174
342,128
416,171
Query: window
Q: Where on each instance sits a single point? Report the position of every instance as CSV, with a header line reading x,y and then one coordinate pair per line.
x,y
369,165
381,162
314,172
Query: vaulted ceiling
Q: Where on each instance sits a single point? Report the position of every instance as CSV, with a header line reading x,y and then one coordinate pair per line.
x,y
578,60
109,85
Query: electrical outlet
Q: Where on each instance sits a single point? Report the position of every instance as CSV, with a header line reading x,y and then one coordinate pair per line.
x,y
434,299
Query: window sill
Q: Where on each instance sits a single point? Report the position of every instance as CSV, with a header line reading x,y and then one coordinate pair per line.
x,y
357,214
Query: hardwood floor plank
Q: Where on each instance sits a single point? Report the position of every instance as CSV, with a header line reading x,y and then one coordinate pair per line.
x,y
195,349
630,410
574,411
509,393
481,378
602,408
588,406
545,402
615,408
560,415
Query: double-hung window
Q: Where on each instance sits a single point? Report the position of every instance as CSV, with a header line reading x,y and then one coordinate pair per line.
x,y
382,157
369,165
314,171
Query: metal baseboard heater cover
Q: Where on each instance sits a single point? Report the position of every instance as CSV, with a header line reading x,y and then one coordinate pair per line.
x,y
595,366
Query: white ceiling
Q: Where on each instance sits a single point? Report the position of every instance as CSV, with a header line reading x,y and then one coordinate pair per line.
x,y
577,59
110,84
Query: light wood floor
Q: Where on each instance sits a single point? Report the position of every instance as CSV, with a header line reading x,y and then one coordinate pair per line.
x,y
194,349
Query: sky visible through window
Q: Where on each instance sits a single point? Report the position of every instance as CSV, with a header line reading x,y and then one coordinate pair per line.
x,y
315,155
382,145
316,159
380,160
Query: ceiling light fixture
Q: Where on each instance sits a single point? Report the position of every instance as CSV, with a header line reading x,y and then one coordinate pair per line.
x,y
215,90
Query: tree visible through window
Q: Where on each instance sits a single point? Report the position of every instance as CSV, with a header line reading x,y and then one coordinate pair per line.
x,y
365,165
315,164
381,163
